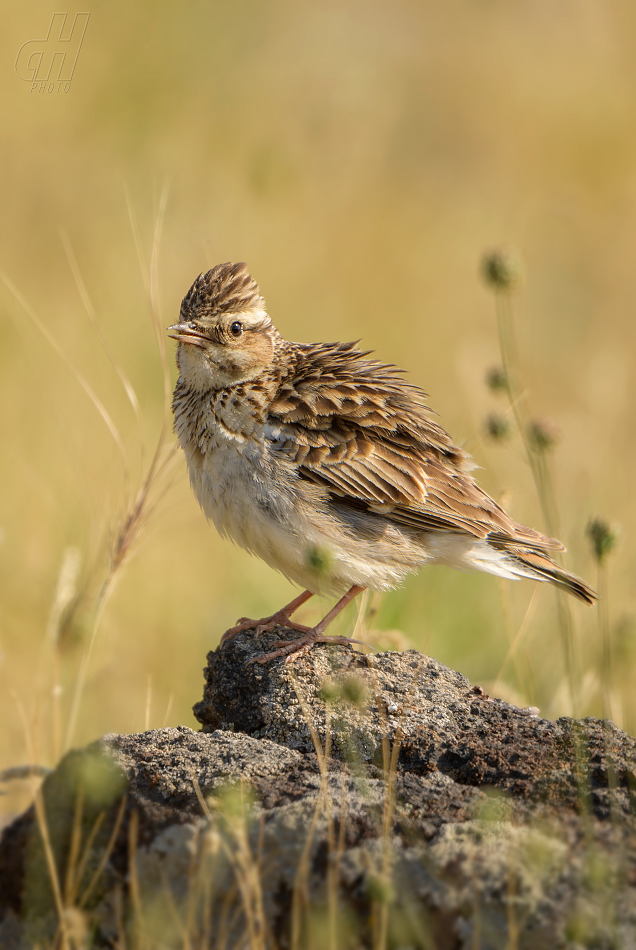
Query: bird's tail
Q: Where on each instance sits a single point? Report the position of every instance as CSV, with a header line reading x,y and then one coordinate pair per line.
x,y
541,567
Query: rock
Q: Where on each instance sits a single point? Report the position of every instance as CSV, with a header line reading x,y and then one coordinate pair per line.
x,y
380,798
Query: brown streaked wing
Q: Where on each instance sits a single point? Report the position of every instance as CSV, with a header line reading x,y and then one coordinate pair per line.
x,y
455,502
358,429
355,426
378,476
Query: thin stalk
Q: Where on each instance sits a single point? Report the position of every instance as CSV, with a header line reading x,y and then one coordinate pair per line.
x,y
605,638
514,643
84,898
513,924
518,404
167,712
523,677
65,598
138,923
86,658
86,854
247,878
92,316
43,828
74,849
390,759
300,897
541,473
140,509
148,703
88,389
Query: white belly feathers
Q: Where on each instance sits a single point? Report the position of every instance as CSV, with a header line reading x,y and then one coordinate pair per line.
x,y
257,499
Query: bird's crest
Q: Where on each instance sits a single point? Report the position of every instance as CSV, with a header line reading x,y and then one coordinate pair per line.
x,y
227,288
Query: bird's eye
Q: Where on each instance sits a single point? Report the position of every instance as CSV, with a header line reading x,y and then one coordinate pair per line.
x,y
236,328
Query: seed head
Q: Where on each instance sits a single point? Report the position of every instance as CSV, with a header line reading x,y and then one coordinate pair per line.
x,y
496,379
603,538
497,427
502,269
543,434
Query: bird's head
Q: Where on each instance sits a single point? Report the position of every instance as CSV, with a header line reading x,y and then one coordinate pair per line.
x,y
224,332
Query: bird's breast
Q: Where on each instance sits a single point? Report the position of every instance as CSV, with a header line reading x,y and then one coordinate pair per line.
x,y
237,480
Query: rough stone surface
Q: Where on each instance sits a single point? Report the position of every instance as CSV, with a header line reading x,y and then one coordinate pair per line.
x,y
431,817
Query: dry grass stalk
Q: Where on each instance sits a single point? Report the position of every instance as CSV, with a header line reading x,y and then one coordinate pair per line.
x,y
61,939
300,897
514,641
246,868
99,870
535,438
138,933
141,507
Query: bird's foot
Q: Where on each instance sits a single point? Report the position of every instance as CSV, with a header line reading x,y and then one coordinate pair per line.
x,y
264,625
292,649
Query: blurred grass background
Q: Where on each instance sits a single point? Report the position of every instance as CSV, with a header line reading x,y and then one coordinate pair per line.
x,y
360,157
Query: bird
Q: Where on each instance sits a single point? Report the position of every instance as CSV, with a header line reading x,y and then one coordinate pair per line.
x,y
326,463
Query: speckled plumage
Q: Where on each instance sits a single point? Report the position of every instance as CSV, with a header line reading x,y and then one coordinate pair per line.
x,y
326,463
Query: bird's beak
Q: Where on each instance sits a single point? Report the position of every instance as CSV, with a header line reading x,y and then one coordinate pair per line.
x,y
184,333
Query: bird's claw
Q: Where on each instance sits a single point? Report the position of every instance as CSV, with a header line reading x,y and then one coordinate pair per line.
x,y
265,625
292,649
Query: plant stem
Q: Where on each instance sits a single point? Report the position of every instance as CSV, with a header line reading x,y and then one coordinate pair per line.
x,y
540,469
604,630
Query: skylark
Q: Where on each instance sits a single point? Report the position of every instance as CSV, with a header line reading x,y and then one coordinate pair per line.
x,y
326,464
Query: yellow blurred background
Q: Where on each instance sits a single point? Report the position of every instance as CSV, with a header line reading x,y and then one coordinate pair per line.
x,y
360,157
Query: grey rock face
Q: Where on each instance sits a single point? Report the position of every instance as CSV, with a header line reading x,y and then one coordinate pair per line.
x,y
344,800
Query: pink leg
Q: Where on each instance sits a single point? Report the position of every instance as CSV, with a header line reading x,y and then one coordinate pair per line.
x,y
294,648
280,618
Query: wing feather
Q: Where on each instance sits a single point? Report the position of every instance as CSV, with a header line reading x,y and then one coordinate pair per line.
x,y
358,429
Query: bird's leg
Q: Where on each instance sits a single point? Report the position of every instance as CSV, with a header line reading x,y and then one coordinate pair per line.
x,y
280,618
293,648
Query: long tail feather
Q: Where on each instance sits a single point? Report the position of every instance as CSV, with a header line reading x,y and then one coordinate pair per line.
x,y
543,568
